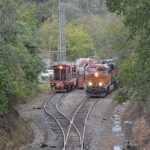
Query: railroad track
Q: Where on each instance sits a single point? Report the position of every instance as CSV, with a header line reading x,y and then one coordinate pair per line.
x,y
61,121
51,111
79,120
71,130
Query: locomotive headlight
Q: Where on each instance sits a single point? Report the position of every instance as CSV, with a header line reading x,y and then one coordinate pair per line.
x,y
60,67
59,84
100,84
90,83
96,74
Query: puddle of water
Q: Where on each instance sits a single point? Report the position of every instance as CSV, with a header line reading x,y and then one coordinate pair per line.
x,y
45,123
117,125
117,147
117,128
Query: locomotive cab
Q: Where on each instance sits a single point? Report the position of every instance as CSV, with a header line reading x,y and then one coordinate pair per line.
x,y
98,80
64,77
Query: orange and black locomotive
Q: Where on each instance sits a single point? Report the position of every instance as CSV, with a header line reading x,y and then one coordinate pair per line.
x,y
100,79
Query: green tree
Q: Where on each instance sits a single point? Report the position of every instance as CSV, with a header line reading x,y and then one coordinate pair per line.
x,y
19,64
79,43
135,68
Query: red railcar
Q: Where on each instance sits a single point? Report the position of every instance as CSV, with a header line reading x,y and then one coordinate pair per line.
x,y
64,76
82,63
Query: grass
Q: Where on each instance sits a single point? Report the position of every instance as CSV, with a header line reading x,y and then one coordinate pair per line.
x,y
44,87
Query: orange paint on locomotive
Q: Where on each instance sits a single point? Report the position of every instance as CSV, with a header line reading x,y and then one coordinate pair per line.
x,y
99,78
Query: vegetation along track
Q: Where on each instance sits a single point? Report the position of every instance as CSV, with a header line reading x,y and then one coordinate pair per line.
x,y
71,130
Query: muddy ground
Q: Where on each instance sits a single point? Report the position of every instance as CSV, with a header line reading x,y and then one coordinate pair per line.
x,y
99,135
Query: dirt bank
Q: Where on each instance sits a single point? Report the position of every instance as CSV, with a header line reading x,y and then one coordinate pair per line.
x,y
140,116
14,131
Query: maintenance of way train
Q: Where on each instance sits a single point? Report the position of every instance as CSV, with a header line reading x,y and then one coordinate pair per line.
x,y
96,76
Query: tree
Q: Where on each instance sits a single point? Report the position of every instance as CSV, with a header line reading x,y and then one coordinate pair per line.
x,y
19,64
79,43
136,69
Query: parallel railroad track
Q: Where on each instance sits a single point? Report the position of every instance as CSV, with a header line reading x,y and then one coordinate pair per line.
x,y
79,119
62,122
71,130
51,111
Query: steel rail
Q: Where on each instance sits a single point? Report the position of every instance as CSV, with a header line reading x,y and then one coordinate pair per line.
x,y
45,109
85,123
71,121
71,124
81,135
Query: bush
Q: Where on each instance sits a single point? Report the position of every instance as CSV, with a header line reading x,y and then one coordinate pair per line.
x,y
121,96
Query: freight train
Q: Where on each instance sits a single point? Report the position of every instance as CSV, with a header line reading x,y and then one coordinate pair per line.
x,y
98,78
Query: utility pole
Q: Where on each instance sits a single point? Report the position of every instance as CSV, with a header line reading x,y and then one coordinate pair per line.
x,y
57,45
54,36
95,5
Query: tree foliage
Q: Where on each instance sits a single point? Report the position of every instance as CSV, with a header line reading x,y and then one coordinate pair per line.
x,y
135,65
97,23
19,64
79,43
92,18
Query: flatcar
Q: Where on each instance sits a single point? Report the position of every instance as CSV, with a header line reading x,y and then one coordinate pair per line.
x,y
64,78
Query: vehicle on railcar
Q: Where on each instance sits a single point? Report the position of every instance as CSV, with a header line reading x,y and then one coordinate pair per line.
x,y
64,78
100,79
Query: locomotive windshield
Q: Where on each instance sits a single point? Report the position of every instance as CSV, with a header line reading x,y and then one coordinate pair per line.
x,y
91,70
103,70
